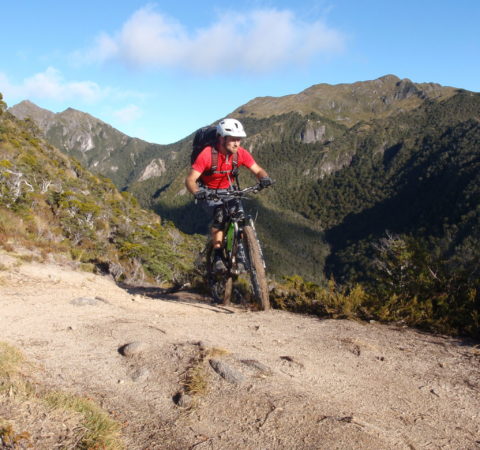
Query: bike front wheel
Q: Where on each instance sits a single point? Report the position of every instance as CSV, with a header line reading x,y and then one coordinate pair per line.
x,y
256,267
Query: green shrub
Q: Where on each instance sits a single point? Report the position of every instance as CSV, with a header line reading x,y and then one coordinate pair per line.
x,y
412,284
297,295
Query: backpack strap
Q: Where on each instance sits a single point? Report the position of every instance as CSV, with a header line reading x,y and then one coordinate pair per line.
x,y
213,168
235,165
235,169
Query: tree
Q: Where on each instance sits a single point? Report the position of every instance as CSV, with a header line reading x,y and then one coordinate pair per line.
x,y
3,105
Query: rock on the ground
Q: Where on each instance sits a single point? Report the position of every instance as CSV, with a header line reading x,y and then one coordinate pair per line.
x,y
133,348
226,372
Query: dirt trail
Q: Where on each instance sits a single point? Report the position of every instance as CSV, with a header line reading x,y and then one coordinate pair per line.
x,y
291,381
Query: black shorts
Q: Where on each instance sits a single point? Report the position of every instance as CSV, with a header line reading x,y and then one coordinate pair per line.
x,y
216,210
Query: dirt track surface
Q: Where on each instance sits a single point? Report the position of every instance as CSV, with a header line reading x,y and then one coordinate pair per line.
x,y
292,382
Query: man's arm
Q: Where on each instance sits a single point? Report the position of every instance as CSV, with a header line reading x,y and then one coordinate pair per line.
x,y
258,171
262,176
191,181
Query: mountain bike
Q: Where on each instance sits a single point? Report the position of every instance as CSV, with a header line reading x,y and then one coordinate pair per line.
x,y
242,254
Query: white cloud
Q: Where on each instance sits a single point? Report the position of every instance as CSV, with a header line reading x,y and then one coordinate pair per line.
x,y
128,114
259,41
51,85
105,48
150,37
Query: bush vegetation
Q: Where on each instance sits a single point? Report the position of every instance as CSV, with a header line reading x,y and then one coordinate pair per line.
x,y
50,203
409,286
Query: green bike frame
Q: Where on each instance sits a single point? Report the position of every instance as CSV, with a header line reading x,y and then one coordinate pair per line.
x,y
230,236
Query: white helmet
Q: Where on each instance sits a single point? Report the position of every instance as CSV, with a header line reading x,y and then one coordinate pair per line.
x,y
231,127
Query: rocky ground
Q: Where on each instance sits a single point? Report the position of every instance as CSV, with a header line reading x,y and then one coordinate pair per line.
x,y
179,373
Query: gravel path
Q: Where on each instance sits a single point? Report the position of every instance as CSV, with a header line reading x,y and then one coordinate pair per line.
x,y
180,373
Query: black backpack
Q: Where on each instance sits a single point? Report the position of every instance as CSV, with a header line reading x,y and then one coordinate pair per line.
x,y
204,137
207,137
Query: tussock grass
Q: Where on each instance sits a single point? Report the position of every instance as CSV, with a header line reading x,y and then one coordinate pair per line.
x,y
437,305
10,360
9,438
101,431
97,429
196,380
196,376
217,352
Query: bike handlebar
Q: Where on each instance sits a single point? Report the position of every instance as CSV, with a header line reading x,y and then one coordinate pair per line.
x,y
241,193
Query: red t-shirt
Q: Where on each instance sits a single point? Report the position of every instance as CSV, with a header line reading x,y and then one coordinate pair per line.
x,y
225,163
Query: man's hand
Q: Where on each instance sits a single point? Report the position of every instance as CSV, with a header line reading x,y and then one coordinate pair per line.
x,y
201,194
265,182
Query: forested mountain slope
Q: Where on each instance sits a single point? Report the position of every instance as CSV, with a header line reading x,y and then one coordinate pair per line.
x,y
351,161
414,173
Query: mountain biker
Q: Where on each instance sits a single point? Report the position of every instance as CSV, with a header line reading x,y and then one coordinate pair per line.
x,y
229,135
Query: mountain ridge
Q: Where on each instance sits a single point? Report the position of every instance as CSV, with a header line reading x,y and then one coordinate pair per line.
x,y
125,160
96,144
334,100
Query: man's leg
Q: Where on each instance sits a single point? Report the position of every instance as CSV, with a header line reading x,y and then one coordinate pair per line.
x,y
217,241
217,237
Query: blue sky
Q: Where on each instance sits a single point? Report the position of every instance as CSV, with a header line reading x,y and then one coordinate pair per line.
x,y
160,70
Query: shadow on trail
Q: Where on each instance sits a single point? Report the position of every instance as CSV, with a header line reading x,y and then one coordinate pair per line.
x,y
155,292
185,297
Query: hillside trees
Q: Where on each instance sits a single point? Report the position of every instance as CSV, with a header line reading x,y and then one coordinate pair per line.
x,y
48,201
423,289
3,105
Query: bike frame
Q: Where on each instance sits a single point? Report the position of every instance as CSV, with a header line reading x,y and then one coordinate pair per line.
x,y
234,226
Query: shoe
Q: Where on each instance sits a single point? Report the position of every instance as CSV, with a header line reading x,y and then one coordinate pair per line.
x,y
216,301
241,268
218,264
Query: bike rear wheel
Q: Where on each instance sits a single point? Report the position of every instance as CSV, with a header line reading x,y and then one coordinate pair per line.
x,y
220,285
256,267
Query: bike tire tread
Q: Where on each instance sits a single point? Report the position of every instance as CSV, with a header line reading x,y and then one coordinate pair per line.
x,y
257,269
